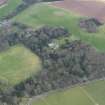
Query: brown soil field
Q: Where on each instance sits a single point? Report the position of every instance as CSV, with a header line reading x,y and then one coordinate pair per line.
x,y
2,2
89,8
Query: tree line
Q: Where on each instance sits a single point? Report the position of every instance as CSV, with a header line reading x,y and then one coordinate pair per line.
x,y
25,4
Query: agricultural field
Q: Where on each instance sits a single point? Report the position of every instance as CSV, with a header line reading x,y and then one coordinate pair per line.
x,y
73,63
45,14
2,2
17,64
80,95
8,7
91,8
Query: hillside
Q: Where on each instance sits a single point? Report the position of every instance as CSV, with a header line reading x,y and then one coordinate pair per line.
x,y
44,14
52,54
90,8
76,62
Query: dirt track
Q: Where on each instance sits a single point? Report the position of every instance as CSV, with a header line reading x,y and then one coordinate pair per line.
x,y
2,2
87,8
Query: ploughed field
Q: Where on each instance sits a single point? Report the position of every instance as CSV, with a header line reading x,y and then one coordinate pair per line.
x,y
17,64
2,2
90,94
91,8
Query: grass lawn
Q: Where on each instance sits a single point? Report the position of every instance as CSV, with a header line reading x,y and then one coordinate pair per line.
x,y
9,7
17,64
43,14
91,94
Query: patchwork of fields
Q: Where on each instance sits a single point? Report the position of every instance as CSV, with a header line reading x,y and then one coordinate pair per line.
x,y
17,64
90,94
43,14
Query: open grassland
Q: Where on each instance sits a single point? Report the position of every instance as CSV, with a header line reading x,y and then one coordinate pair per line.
x,y
43,14
17,64
8,7
91,94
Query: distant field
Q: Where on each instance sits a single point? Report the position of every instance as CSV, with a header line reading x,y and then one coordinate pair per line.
x,y
17,64
43,14
2,2
92,94
8,7
91,8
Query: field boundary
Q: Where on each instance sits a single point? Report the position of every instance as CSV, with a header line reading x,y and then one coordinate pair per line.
x,y
89,96
39,97
45,101
4,79
89,8
64,9
3,5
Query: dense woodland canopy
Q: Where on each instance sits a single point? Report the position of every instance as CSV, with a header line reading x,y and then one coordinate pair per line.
x,y
72,63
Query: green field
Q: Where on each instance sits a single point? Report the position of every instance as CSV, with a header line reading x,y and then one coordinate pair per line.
x,y
42,14
91,94
97,91
9,7
17,64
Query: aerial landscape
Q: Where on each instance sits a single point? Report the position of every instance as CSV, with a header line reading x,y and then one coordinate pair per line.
x,y
52,52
